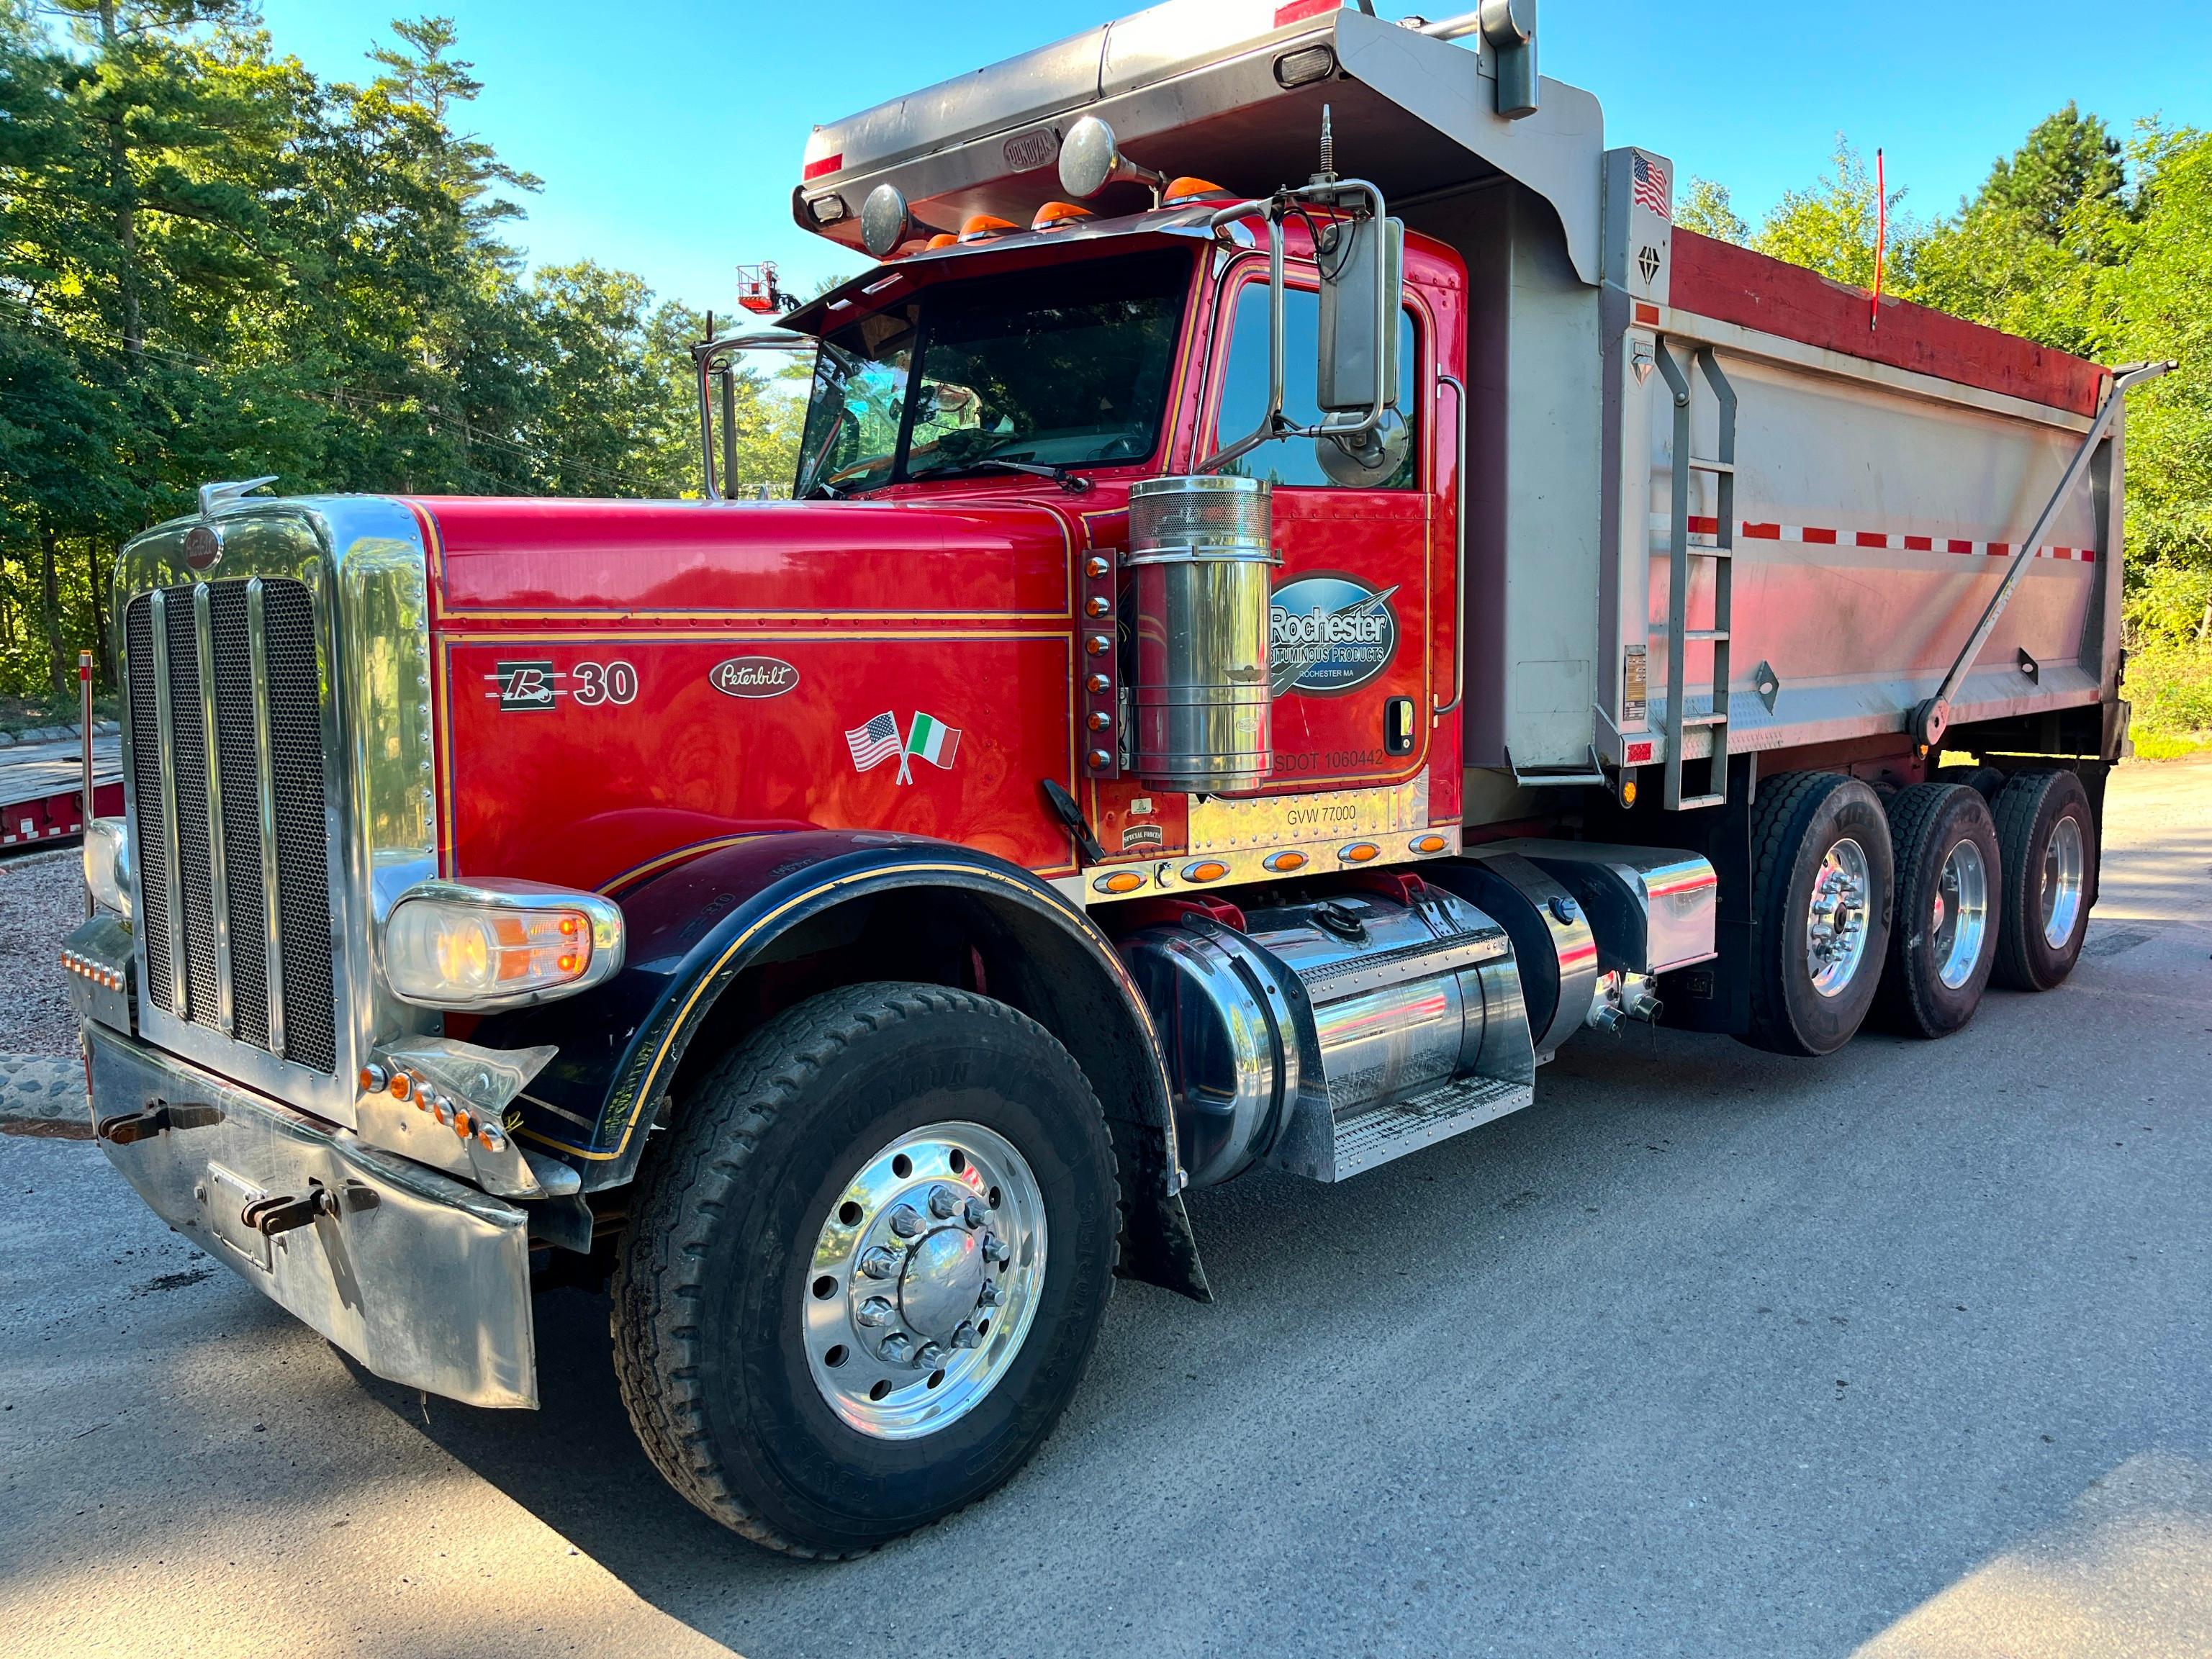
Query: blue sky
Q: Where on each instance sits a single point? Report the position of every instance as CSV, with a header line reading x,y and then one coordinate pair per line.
x,y
668,131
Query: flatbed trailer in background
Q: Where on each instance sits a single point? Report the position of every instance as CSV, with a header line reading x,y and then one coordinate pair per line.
x,y
1303,594
42,789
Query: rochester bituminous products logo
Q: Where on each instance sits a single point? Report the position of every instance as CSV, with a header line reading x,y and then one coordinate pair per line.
x,y
753,677
1330,635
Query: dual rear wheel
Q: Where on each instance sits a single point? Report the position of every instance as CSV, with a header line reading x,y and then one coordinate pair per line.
x,y
1909,909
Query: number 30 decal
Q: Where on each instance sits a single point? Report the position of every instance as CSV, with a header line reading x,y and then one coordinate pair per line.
x,y
596,682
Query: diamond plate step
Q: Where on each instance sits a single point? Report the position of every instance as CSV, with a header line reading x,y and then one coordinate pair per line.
x,y
1379,1134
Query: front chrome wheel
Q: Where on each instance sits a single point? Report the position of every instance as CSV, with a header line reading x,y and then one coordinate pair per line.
x,y
1962,922
1836,923
2065,866
925,1280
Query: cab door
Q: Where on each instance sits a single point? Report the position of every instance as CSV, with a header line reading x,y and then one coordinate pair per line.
x,y
1350,620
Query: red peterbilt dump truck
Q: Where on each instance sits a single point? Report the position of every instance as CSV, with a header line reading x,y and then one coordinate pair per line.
x,y
1303,593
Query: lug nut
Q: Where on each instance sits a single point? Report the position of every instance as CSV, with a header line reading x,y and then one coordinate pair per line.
x,y
944,1202
975,1212
905,1221
880,1263
965,1337
989,1298
995,1248
873,1312
897,1346
929,1358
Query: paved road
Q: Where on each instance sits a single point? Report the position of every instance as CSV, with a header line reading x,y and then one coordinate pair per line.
x,y
1710,1354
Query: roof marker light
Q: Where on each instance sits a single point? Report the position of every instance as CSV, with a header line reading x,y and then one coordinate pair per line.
x,y
981,227
1180,192
942,239
1053,215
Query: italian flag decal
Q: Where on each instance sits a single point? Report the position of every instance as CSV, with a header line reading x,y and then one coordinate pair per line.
x,y
930,739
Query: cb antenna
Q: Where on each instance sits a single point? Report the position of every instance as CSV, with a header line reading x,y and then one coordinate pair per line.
x,y
1328,173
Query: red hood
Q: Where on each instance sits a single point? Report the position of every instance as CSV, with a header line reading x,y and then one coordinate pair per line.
x,y
994,553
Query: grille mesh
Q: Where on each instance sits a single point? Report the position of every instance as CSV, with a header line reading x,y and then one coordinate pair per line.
x,y
241,813
294,696
149,849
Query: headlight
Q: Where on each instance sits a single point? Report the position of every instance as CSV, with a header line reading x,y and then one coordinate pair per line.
x,y
107,865
482,945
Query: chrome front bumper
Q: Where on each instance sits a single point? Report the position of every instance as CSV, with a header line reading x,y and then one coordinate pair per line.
x,y
422,1279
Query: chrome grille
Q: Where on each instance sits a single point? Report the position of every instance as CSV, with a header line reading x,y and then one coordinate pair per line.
x,y
232,856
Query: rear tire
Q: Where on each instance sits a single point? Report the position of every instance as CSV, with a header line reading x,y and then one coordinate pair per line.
x,y
1984,781
1822,880
1943,944
2048,835
884,1165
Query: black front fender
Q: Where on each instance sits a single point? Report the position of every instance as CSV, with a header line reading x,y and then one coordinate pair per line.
x,y
694,931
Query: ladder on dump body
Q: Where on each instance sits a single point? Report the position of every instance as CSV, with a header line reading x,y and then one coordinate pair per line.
x,y
1679,634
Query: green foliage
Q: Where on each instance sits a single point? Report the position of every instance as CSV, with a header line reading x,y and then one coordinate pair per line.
x,y
1834,225
2104,253
214,265
1707,208
2069,159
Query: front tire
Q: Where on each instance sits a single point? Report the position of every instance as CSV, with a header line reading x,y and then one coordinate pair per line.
x,y
866,1269
1822,878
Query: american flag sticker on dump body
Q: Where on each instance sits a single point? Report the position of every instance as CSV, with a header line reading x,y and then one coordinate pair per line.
x,y
1650,186
875,743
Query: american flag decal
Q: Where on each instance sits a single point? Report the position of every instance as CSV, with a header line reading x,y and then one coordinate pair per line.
x,y
875,743
1650,188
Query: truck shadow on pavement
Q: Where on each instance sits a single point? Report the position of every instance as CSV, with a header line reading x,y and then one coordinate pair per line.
x,y
575,1465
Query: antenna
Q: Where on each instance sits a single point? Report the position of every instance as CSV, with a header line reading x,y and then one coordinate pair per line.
x,y
1328,173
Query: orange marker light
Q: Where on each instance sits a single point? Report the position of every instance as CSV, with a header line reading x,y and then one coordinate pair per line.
x,y
1360,852
942,239
1183,190
1053,215
1430,844
402,1086
1207,870
1121,881
981,227
1283,863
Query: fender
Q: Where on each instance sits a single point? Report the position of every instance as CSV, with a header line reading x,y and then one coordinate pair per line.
x,y
764,905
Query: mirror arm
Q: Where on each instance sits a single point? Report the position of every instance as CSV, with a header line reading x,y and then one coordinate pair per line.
x,y
1271,423
703,356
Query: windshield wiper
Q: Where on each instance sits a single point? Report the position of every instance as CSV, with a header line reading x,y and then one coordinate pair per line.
x,y
1072,482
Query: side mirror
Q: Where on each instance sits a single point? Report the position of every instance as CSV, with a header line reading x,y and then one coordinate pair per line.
x,y
1092,159
1363,280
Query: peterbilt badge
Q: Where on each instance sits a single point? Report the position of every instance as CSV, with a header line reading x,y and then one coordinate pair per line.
x,y
753,677
203,547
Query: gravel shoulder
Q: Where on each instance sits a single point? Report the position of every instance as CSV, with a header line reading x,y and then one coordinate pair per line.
x,y
41,898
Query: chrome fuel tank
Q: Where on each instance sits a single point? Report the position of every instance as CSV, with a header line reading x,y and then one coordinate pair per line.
x,y
1329,1036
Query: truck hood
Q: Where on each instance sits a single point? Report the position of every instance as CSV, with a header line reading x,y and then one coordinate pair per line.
x,y
984,555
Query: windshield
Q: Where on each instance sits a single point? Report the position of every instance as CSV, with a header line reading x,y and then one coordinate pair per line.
x,y
1060,366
